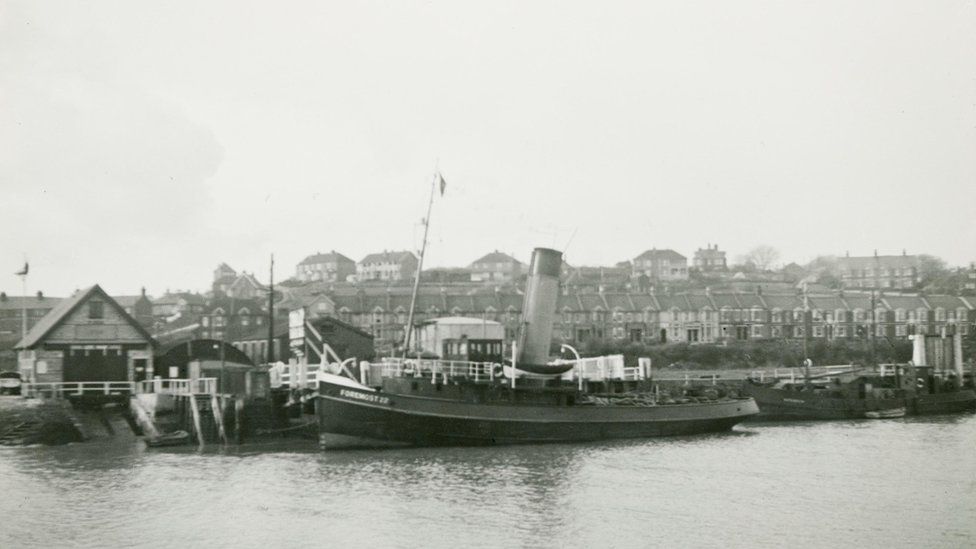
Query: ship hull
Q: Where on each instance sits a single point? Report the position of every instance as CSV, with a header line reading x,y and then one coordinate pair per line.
x,y
778,404
383,418
943,403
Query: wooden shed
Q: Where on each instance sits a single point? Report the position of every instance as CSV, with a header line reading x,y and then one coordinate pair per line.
x,y
87,337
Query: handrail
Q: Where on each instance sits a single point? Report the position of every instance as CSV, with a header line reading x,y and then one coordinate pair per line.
x,y
63,388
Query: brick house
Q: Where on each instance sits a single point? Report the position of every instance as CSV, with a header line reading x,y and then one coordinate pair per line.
x,y
710,259
387,266
330,267
661,265
879,271
496,267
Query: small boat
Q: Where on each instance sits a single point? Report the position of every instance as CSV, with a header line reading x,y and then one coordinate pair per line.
x,y
175,438
885,414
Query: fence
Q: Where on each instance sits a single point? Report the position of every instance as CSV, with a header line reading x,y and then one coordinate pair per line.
x,y
62,389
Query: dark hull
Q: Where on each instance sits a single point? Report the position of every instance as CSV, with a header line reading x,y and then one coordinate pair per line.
x,y
780,404
422,421
943,403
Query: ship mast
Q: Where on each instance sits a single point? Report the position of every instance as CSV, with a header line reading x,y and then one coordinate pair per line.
x,y
408,329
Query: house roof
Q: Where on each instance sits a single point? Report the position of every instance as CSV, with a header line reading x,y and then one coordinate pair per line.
x,y
495,257
661,254
64,309
28,302
461,320
127,300
225,303
878,260
388,257
331,257
174,297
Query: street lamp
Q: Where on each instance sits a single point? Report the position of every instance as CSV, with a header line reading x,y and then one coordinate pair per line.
x,y
579,364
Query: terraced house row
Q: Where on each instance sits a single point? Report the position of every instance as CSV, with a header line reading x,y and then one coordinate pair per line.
x,y
647,317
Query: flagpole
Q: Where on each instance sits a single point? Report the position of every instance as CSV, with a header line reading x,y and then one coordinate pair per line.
x,y
416,280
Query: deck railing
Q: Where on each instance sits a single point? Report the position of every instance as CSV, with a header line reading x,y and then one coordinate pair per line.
x,y
444,369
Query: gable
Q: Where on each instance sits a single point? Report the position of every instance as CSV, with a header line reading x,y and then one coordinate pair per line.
x,y
91,316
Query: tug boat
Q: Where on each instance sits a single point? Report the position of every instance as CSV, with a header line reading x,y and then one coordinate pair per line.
x,y
419,402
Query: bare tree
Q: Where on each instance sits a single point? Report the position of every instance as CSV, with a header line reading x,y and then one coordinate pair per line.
x,y
762,256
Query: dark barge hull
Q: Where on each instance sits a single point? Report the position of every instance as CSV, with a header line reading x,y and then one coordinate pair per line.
x,y
943,403
779,404
373,418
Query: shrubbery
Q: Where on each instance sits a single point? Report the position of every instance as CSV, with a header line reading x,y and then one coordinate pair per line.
x,y
752,354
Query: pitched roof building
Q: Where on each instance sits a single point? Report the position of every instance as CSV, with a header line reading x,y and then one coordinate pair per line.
x,y
496,267
387,266
879,271
328,267
661,265
86,337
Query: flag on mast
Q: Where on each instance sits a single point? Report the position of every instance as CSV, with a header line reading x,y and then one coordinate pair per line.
x,y
442,182
23,272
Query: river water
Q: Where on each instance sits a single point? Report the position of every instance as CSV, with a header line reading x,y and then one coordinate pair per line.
x,y
882,483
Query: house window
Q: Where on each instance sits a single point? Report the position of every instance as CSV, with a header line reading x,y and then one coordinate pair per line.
x,y
841,331
96,310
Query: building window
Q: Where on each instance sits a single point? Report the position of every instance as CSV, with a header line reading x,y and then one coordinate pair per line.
x,y
96,310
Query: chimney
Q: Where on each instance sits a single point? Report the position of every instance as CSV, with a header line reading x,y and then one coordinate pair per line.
x,y
40,294
143,291
847,253
903,252
3,296
759,290
875,253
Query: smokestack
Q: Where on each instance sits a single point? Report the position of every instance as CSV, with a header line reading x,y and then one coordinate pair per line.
x,y
539,306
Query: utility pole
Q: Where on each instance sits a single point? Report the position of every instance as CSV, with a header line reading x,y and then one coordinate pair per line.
x,y
270,354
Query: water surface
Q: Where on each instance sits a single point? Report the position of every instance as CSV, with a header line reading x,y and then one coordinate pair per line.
x,y
895,483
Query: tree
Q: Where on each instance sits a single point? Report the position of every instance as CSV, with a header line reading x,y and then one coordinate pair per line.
x,y
762,256
934,276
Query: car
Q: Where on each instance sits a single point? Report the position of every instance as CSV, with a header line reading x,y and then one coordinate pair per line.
x,y
10,383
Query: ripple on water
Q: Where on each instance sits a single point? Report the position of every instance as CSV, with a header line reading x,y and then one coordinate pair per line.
x,y
901,483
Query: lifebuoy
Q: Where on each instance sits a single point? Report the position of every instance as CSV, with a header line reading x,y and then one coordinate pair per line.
x,y
920,383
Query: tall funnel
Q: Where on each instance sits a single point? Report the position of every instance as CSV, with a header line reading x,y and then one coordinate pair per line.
x,y
539,307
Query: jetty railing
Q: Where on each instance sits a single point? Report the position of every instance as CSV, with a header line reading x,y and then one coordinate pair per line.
x,y
62,389
169,386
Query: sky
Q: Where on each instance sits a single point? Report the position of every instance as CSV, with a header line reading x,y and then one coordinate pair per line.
x,y
142,144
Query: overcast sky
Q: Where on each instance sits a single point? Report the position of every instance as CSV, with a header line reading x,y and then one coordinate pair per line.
x,y
142,143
